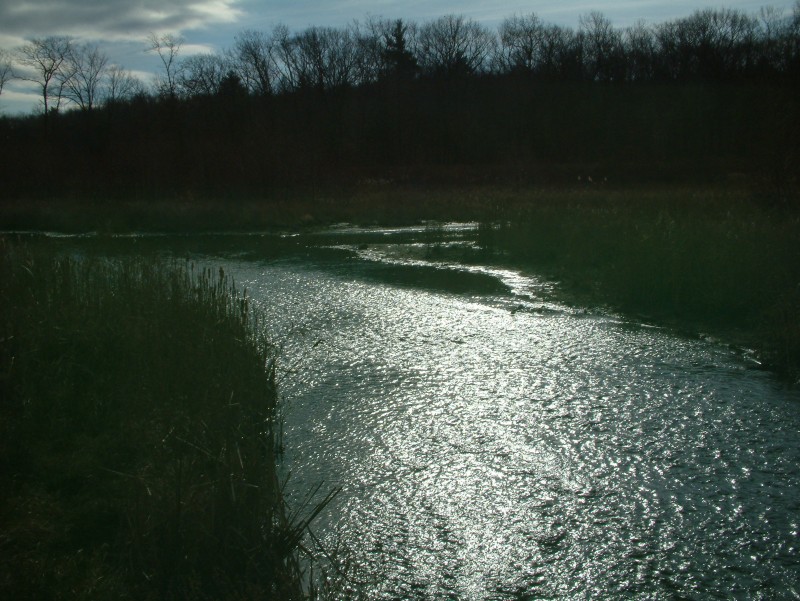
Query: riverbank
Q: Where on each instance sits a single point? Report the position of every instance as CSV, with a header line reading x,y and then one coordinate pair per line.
x,y
459,196
372,202
139,435
705,261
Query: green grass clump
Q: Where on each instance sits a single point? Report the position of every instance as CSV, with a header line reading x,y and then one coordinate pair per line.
x,y
702,260
137,435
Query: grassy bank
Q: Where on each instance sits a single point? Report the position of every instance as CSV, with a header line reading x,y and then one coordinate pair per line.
x,y
705,260
458,194
137,436
371,202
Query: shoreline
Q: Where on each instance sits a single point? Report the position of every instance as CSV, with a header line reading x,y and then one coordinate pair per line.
x,y
371,202
140,434
717,258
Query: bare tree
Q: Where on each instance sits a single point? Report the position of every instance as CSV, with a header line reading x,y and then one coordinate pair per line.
x,y
737,40
308,59
167,47
340,58
453,45
522,43
771,19
121,84
707,44
368,41
792,40
286,59
328,57
253,60
45,60
319,58
640,50
203,74
6,70
771,24
781,39
86,67
527,45
602,47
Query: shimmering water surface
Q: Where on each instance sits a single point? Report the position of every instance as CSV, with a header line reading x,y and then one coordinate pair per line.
x,y
493,443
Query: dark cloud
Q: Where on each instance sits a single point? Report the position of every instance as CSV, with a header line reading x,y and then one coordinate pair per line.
x,y
132,19
110,19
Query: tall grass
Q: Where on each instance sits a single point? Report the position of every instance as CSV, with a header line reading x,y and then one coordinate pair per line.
x,y
705,260
137,435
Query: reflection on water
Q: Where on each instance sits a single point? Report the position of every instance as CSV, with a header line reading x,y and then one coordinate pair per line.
x,y
491,443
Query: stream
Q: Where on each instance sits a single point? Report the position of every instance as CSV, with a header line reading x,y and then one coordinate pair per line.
x,y
491,440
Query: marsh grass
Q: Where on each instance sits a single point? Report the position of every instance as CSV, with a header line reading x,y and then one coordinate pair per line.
x,y
721,257
713,261
137,451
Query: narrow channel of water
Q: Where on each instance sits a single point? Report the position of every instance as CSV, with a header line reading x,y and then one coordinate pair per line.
x,y
493,443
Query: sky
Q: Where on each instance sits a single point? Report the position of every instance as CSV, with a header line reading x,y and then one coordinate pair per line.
x,y
120,27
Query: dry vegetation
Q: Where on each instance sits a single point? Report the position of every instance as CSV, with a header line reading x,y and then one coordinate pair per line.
x,y
138,429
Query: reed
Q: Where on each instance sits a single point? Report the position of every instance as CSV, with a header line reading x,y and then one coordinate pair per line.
x,y
704,261
138,435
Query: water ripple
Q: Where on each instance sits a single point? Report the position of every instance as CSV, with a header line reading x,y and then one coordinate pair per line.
x,y
486,453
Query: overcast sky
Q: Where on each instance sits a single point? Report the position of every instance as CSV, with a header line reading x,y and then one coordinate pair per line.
x,y
121,26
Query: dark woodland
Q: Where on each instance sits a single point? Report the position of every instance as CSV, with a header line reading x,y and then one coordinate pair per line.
x,y
707,97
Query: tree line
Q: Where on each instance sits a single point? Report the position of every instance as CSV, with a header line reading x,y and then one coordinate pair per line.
x,y
710,44
707,93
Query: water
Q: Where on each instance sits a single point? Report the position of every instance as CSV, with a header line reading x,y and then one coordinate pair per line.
x,y
492,442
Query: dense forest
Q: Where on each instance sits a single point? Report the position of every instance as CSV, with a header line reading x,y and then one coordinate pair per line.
x,y
706,97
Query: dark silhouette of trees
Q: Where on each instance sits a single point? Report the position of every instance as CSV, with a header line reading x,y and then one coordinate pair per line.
x,y
325,58
399,62
452,46
202,74
167,47
85,71
253,60
782,41
639,53
696,97
319,58
121,84
6,69
708,45
529,46
522,45
602,51
231,87
43,61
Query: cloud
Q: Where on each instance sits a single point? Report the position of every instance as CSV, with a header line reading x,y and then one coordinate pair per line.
x,y
111,19
19,97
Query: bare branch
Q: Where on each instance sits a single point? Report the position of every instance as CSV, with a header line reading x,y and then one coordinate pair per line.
x,y
6,70
167,47
203,74
46,58
86,67
254,61
121,84
453,45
